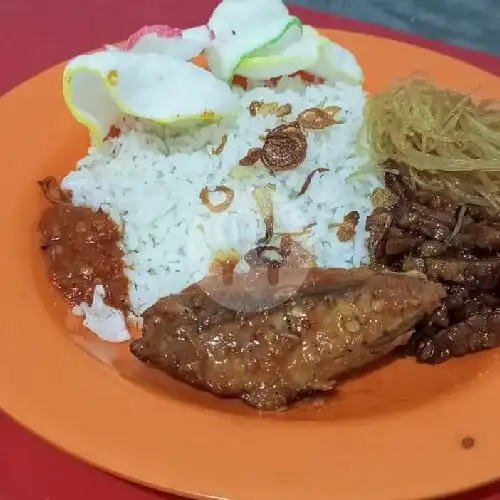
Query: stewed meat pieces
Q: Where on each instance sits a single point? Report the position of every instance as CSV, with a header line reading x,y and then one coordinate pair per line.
x,y
338,321
458,246
476,333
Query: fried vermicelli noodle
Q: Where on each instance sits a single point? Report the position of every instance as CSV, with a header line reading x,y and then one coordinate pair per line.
x,y
449,142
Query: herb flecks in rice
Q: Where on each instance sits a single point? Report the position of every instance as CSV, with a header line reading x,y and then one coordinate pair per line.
x,y
149,179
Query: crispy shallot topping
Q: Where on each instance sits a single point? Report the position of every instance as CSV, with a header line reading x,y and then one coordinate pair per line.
x,y
332,112
383,198
269,108
347,228
265,254
263,196
255,107
219,207
308,180
218,150
284,148
252,157
283,110
318,118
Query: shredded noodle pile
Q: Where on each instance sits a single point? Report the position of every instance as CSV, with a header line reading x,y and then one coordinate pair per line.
x,y
448,141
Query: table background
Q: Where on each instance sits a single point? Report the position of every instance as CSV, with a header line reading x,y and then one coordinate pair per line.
x,y
36,34
468,23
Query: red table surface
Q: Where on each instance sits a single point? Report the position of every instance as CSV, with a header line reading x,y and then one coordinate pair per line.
x,y
36,34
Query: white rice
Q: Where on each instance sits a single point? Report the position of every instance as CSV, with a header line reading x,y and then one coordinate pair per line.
x,y
149,180
106,322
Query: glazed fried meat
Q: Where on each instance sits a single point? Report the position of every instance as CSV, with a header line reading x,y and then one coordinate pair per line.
x,y
455,245
338,321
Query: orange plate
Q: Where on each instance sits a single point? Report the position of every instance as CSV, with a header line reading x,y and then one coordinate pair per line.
x,y
394,433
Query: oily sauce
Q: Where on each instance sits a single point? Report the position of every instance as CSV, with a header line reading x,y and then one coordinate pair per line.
x,y
81,251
